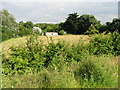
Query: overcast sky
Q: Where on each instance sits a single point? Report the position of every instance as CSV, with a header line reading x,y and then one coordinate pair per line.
x,y
57,11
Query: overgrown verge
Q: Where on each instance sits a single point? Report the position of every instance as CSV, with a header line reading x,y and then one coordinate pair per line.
x,y
63,65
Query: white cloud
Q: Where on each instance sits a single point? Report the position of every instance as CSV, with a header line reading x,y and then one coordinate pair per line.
x,y
60,0
106,17
47,15
57,12
61,9
23,4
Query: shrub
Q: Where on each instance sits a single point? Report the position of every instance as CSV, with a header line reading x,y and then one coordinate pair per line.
x,y
91,30
88,70
75,52
62,32
116,42
33,56
105,44
94,72
25,59
53,51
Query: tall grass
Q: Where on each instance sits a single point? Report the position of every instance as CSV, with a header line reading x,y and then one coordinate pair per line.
x,y
94,72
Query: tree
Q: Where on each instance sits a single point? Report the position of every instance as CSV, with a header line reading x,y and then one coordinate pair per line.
x,y
62,32
114,25
71,24
25,28
91,30
103,28
7,19
79,25
85,22
41,25
28,25
8,25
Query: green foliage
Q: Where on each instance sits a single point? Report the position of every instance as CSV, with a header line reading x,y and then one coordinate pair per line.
x,y
28,25
103,28
85,22
91,72
61,64
105,44
116,42
88,70
7,33
76,24
43,26
75,52
111,26
91,30
23,31
8,25
62,32
7,19
49,27
114,25
53,51
34,55
71,24
25,59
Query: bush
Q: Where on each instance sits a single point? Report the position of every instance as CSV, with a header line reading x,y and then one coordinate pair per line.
x,y
62,32
88,70
53,51
105,44
25,59
33,56
116,42
91,30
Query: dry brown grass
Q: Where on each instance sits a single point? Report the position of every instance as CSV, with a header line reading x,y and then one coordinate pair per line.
x,y
5,46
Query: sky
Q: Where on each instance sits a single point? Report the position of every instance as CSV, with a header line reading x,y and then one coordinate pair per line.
x,y
55,11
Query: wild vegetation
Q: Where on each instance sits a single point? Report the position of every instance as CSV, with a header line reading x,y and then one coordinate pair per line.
x,y
47,63
82,65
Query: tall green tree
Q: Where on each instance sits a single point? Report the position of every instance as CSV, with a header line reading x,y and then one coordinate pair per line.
x,y
28,25
114,25
71,24
8,25
7,19
103,28
25,28
85,21
76,24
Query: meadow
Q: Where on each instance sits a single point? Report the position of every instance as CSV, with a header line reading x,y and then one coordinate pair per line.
x,y
67,61
6,45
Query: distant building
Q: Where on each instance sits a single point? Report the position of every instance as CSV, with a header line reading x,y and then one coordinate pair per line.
x,y
51,33
37,29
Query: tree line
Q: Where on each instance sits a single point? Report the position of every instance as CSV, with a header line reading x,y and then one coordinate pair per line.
x,y
88,24
74,24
